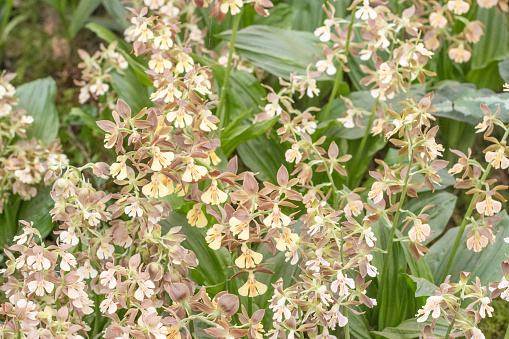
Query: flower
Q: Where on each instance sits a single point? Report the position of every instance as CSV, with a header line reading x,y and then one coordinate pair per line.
x,y
105,250
214,236
196,217
161,159
488,206
193,172
213,195
366,11
252,288
145,288
458,6
276,219
155,188
498,159
485,307
39,284
240,228
233,5
248,258
419,232
432,304
342,283
181,116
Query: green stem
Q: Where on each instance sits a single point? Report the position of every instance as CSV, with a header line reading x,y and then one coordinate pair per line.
x,y
249,305
339,76
449,329
384,303
507,333
223,117
367,132
468,214
97,319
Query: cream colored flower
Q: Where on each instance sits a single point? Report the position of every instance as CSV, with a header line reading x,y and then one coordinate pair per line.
x,y
252,288
248,258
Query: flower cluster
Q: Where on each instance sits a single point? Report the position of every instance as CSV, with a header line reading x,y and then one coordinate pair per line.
x,y
24,163
446,303
96,73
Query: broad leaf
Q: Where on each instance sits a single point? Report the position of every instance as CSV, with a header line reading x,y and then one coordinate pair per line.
x,y
462,102
485,264
503,68
439,215
37,210
278,51
211,270
264,156
244,132
410,329
38,99
495,40
129,89
424,287
9,220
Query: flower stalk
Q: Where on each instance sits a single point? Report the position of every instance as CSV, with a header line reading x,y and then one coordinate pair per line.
x,y
221,111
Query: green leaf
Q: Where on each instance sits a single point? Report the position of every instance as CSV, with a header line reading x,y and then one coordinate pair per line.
x,y
237,134
439,215
410,329
487,77
129,89
117,10
359,326
212,267
244,92
425,288
485,264
396,297
278,51
9,220
281,15
503,68
81,15
264,156
38,99
37,210
494,44
462,102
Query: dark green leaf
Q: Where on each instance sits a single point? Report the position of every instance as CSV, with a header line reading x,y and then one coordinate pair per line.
x,y
9,220
117,10
129,89
37,210
242,133
211,270
264,156
38,99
